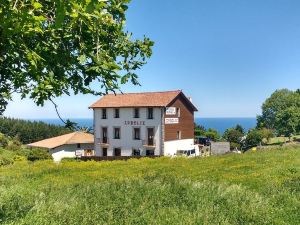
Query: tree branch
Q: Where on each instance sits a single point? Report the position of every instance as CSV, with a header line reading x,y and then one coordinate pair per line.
x,y
15,5
56,109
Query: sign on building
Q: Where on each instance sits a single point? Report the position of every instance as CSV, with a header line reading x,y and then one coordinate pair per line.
x,y
78,153
171,111
171,120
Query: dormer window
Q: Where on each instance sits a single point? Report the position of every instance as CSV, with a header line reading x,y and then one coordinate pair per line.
x,y
104,114
136,113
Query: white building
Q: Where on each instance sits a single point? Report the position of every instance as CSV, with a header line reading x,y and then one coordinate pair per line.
x,y
152,123
71,145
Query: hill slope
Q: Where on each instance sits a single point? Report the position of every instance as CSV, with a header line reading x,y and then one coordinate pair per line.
x,y
254,188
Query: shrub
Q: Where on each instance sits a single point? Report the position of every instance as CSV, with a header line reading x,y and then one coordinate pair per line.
x,y
235,145
254,138
233,135
14,144
4,161
267,134
38,154
3,140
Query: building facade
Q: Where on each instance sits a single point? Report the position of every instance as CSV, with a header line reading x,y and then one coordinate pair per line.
x,y
144,124
70,145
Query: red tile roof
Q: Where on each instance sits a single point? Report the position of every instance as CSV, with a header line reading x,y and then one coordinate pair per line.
x,y
67,139
144,99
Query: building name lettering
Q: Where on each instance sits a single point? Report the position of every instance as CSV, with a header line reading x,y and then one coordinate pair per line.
x,y
135,123
171,120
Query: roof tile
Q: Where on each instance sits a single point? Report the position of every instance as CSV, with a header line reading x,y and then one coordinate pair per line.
x,y
72,138
144,99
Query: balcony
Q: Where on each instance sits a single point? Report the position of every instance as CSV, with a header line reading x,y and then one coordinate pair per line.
x,y
104,142
149,144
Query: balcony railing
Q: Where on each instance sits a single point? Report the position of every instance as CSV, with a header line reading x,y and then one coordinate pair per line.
x,y
149,144
104,141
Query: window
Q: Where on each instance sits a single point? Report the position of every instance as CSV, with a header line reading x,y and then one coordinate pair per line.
x,y
104,135
117,133
150,113
136,152
117,152
178,134
78,146
104,150
149,152
104,115
136,133
117,113
136,113
178,112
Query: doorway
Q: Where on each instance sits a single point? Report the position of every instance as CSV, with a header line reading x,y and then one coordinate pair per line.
x,y
150,136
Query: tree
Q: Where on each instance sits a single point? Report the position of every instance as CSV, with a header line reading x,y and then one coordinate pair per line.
x,y
254,138
267,134
233,135
50,48
288,121
212,134
280,112
240,129
199,130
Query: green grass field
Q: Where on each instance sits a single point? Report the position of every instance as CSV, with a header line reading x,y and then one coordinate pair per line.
x,y
281,140
253,188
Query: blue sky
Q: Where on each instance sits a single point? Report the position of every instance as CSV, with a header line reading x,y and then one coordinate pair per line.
x,y
228,55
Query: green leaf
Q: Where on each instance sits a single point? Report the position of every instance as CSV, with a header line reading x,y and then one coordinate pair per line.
x,y
82,59
37,5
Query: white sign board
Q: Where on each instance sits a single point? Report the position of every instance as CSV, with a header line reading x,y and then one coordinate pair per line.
x,y
78,153
171,111
171,120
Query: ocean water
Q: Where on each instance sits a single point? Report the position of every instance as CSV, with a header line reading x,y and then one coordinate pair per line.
x,y
220,124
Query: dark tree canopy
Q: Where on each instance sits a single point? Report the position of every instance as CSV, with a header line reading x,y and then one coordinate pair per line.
x,y
54,47
281,112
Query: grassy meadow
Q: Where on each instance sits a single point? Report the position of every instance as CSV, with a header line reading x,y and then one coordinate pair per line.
x,y
254,188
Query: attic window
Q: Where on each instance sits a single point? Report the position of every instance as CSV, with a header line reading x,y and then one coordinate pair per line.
x,y
178,112
136,113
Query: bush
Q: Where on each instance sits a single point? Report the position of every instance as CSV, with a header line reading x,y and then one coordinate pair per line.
x,y
267,134
233,135
3,140
14,144
38,154
234,146
254,138
4,161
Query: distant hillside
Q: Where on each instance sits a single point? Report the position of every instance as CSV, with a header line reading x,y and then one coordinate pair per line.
x,y
29,131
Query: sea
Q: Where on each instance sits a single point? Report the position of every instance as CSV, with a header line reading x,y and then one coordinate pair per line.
x,y
220,124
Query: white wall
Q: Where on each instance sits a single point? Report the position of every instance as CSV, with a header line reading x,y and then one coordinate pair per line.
x,y
126,143
68,151
171,147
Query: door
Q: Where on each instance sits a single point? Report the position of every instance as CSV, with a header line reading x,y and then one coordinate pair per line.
x,y
104,134
151,136
117,152
104,152
88,152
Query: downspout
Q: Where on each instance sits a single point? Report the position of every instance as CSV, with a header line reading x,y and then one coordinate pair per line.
x,y
162,132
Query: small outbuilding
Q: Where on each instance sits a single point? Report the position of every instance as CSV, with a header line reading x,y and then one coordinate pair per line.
x,y
71,145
